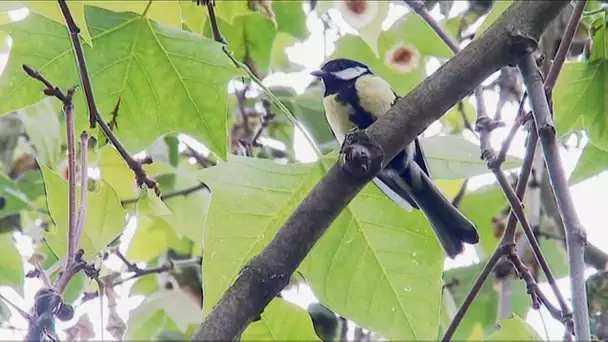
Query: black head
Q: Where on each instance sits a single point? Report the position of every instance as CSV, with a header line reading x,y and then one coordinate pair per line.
x,y
338,73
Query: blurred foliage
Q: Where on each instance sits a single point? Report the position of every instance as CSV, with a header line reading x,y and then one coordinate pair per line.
x,y
185,103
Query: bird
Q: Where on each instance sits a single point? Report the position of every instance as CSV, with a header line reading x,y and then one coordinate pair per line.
x,y
354,98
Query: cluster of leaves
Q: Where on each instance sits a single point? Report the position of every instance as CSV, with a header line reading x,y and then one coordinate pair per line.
x,y
155,61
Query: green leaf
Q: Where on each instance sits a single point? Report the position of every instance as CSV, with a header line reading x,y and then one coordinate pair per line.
x,y
43,129
250,35
176,304
556,257
143,324
281,321
453,121
349,46
415,31
580,94
229,10
308,109
150,204
115,171
51,10
480,207
290,18
368,24
279,61
484,309
5,312
514,329
14,199
592,162
105,216
495,13
461,160
167,13
144,286
188,212
194,16
153,237
387,259
158,73
11,270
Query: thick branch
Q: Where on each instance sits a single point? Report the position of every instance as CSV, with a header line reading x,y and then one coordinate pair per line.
x,y
268,272
576,238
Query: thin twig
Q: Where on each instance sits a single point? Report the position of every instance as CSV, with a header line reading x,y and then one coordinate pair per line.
x,y
486,125
169,195
575,233
80,60
140,272
84,180
94,115
466,303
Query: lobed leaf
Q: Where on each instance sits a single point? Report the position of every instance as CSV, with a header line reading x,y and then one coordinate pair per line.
x,y
167,80
281,321
105,218
388,259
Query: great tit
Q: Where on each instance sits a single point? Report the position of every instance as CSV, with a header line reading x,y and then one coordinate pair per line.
x,y
355,97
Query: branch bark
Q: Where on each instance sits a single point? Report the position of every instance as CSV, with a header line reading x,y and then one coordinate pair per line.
x,y
510,38
576,237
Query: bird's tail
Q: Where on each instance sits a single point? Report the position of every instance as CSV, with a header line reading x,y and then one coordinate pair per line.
x,y
450,225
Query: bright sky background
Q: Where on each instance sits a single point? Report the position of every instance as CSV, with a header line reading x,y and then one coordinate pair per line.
x,y
588,195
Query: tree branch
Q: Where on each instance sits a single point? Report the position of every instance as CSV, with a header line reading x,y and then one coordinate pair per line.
x,y
575,233
513,35
94,115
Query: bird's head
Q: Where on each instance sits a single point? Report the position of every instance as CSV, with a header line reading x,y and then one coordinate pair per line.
x,y
337,73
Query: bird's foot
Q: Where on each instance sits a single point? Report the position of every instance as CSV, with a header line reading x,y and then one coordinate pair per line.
x,y
360,157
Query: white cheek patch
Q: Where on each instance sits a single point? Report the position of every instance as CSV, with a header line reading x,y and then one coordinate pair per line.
x,y
350,73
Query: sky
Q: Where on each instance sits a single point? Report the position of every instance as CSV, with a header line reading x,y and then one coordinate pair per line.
x,y
587,195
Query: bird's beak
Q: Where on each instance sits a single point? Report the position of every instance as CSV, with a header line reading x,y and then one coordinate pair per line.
x,y
318,73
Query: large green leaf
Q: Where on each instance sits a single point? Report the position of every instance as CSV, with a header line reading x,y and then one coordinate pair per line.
x,y
349,46
592,162
152,238
580,93
290,18
11,270
375,265
43,129
188,212
281,321
251,36
168,80
149,317
115,171
453,157
308,109
483,311
414,30
105,216
514,329
51,10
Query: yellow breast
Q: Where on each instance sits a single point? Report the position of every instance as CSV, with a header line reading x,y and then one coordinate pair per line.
x,y
375,94
337,115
